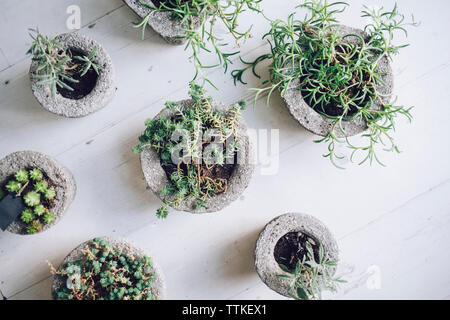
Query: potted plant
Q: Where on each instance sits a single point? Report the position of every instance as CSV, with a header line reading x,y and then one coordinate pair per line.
x,y
296,255
195,154
107,269
71,75
336,80
35,192
181,21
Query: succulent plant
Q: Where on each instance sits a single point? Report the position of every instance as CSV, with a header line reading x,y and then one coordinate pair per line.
x,y
36,174
106,273
37,197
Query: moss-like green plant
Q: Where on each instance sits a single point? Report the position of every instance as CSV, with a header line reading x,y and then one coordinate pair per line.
x,y
338,79
200,172
106,273
204,38
56,64
311,276
37,197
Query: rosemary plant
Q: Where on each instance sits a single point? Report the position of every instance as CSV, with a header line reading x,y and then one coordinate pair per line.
x,y
105,273
338,79
198,37
56,64
208,145
311,275
37,194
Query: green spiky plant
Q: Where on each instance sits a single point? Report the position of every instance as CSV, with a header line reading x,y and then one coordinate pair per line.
x,y
194,174
105,273
312,275
338,79
33,187
203,38
56,64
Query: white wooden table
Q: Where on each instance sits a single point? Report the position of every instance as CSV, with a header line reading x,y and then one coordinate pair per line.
x,y
392,224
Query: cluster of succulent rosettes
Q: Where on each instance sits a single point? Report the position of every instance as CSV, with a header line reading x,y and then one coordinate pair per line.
x,y
198,148
106,273
312,275
57,65
37,195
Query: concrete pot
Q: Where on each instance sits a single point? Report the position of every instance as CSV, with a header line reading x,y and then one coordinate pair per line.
x,y
162,22
318,124
61,177
156,176
128,249
266,265
97,99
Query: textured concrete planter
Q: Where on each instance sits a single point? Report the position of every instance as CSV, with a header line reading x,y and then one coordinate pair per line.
x,y
128,249
318,124
156,176
61,178
98,98
162,22
266,265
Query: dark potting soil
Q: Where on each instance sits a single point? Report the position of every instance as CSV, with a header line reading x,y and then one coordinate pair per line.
x,y
49,204
291,248
334,109
85,83
168,3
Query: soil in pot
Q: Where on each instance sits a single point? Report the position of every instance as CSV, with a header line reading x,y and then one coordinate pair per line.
x,y
85,84
168,3
291,248
37,221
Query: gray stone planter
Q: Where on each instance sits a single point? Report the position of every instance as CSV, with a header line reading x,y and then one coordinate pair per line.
x,y
128,249
98,98
162,22
156,176
60,176
266,265
318,124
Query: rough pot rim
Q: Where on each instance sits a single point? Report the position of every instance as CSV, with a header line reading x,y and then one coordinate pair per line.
x,y
171,30
156,178
265,263
320,125
98,98
60,176
159,287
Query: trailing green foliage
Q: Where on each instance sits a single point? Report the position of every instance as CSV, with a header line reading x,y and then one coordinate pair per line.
x,y
203,38
56,64
311,276
37,197
338,78
106,273
208,145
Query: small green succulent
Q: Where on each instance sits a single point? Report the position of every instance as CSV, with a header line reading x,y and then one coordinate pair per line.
x,y
41,186
33,187
13,186
49,218
21,175
36,174
32,199
105,273
39,210
27,215
50,193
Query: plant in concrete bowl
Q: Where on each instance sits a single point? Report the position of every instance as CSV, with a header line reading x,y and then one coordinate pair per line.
x,y
336,80
195,154
181,21
296,255
35,192
107,269
71,74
